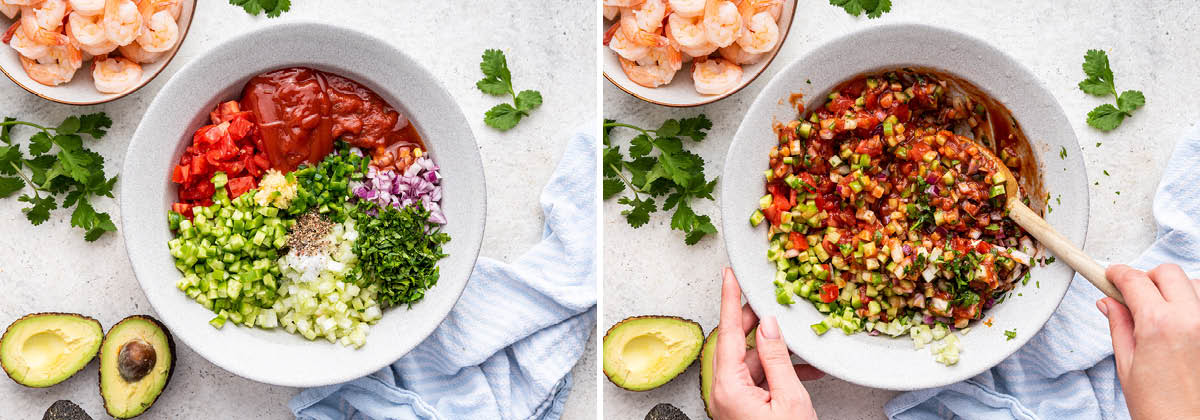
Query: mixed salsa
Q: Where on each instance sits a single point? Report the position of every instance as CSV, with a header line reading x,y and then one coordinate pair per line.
x,y
310,205
881,211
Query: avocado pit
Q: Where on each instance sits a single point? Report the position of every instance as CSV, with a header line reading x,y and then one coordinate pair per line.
x,y
135,360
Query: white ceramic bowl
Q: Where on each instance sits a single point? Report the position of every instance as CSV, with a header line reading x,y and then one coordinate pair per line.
x,y
82,89
883,362
681,92
218,75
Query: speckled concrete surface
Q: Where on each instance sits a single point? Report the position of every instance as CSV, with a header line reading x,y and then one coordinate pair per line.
x,y
1152,48
50,268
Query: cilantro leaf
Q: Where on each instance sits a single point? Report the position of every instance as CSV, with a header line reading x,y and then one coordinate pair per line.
x,y
95,125
640,146
497,81
39,210
1130,100
1100,76
1105,117
873,8
72,170
502,117
639,212
1101,82
674,172
40,143
273,8
527,100
10,185
613,187
1011,334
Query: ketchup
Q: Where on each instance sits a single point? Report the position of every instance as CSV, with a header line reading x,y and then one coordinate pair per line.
x,y
300,111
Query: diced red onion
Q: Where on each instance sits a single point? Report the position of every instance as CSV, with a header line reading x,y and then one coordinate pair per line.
x,y
419,183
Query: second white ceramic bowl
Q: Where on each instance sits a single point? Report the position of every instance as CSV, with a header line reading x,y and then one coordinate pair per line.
x,y
883,362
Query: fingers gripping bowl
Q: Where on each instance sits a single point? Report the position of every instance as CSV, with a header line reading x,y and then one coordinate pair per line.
x,y
878,361
165,139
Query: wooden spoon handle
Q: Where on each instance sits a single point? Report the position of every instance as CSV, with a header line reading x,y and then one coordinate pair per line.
x,y
1063,248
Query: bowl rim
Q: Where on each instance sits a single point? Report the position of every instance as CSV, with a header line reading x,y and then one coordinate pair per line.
x,y
174,52
774,53
727,223
420,331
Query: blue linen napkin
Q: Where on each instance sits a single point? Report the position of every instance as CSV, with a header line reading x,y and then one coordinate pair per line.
x,y
507,348
1067,370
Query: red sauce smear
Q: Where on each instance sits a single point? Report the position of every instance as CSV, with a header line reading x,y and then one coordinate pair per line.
x,y
300,111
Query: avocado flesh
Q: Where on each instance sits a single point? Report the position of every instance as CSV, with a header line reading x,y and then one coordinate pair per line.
x,y
124,398
643,353
707,356
40,350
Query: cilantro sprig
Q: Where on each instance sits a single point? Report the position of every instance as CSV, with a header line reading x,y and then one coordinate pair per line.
x,y
1100,82
58,165
273,8
873,8
497,81
674,172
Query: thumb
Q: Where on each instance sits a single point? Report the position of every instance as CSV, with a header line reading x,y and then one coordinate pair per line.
x,y
785,386
1120,323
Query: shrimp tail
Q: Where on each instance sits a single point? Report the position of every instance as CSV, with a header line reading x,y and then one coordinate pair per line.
x,y
12,29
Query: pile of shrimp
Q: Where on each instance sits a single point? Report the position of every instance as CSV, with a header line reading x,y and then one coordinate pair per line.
x,y
653,38
55,37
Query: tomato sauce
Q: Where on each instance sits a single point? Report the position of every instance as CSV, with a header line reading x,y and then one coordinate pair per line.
x,y
301,111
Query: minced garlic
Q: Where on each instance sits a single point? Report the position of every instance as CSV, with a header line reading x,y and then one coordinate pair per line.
x,y
274,189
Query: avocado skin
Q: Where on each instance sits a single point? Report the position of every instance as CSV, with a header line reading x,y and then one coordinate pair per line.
x,y
18,320
65,410
607,375
170,369
664,411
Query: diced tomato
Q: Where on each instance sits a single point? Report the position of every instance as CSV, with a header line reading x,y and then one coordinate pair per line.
x,y
773,215
182,208
781,203
872,147
798,242
180,174
239,128
240,185
809,185
918,151
841,104
829,292
901,112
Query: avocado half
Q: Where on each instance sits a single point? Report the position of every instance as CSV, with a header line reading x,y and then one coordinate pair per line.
x,y
137,359
707,356
43,349
642,353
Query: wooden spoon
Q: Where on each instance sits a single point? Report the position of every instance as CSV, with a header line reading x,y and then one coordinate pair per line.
x,y
1046,235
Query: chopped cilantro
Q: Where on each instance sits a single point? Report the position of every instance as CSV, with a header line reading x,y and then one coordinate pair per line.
x,y
1011,334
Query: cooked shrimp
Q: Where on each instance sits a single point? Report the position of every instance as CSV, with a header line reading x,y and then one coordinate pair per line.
x,y
122,21
26,47
21,2
623,3
635,33
650,14
160,34
35,32
722,22
115,74
134,52
738,56
715,76
48,14
10,10
88,7
749,8
150,7
57,67
687,8
657,68
689,34
624,47
87,34
760,35
611,12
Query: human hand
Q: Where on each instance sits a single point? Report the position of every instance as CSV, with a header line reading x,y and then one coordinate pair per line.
x,y
1156,340
738,378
